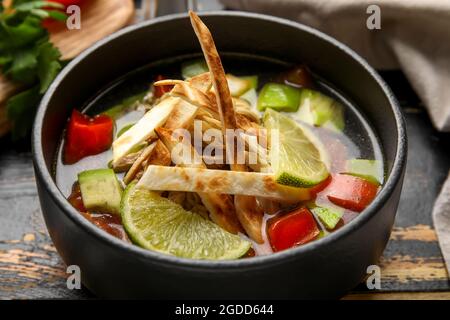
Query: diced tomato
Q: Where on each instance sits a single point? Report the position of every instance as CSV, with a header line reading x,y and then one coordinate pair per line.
x,y
159,91
292,229
75,198
321,186
87,136
351,192
299,77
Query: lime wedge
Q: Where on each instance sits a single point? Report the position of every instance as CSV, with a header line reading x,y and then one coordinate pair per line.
x,y
295,160
158,224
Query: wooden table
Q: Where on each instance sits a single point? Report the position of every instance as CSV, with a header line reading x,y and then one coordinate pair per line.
x,y
412,265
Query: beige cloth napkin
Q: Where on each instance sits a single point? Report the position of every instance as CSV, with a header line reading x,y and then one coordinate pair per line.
x,y
414,35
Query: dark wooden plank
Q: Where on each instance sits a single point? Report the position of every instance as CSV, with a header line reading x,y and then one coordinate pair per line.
x,y
30,267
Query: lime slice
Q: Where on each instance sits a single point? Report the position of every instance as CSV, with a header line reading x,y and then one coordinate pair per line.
x,y
158,224
295,160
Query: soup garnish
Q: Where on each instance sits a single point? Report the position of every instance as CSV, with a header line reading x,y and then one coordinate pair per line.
x,y
210,165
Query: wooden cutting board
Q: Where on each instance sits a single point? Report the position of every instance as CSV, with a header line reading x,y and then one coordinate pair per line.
x,y
99,18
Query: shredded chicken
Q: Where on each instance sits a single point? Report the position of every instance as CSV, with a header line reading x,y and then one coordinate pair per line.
x,y
220,206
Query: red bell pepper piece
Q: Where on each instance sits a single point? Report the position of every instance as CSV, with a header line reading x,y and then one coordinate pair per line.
x,y
159,91
320,187
351,192
87,136
295,228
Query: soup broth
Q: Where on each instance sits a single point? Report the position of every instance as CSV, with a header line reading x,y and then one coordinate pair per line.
x,y
357,140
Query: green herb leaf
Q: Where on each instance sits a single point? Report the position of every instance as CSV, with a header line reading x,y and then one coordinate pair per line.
x,y
23,67
48,65
28,57
40,13
57,15
27,32
21,109
31,5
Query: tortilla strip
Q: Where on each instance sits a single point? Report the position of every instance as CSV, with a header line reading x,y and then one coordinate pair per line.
x,y
167,82
219,80
249,213
137,163
243,108
181,116
160,156
201,82
220,181
143,129
189,159
220,206
156,153
194,96
214,123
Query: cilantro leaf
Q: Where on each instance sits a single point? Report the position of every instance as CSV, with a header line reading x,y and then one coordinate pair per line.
x,y
23,67
48,65
18,35
31,5
21,109
27,57
57,15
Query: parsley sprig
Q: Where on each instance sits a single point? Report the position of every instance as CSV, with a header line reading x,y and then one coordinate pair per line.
x,y
27,57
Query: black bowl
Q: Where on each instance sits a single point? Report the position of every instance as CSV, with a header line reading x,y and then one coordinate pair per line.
x,y
326,268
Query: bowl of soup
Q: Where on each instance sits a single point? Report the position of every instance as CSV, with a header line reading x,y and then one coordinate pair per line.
x,y
230,155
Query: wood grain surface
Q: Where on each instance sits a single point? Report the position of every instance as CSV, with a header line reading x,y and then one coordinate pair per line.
x,y
99,18
411,267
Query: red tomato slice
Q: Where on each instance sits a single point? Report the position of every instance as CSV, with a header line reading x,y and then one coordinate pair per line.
x,y
293,229
87,136
351,192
